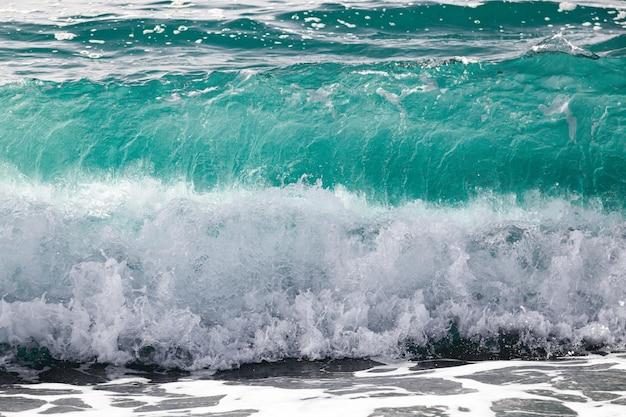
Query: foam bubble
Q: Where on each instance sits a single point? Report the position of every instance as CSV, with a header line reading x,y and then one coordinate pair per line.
x,y
64,36
566,6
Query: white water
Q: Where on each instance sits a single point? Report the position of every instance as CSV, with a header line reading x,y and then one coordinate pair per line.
x,y
592,386
105,269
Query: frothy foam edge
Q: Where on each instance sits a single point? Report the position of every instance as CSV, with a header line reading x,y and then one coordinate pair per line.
x,y
132,269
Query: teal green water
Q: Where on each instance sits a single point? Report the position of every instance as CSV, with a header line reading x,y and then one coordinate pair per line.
x,y
396,131
207,185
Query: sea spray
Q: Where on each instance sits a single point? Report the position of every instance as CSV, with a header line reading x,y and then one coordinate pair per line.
x,y
163,274
191,186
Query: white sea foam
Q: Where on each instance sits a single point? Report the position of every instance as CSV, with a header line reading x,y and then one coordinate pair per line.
x,y
134,268
581,386
64,36
558,43
566,6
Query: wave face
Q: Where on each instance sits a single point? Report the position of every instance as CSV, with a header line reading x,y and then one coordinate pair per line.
x,y
200,187
394,131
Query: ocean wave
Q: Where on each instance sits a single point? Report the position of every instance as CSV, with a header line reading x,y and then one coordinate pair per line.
x,y
398,131
201,187
142,271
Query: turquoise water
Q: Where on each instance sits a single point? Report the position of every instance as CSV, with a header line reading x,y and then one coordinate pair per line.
x,y
394,131
202,185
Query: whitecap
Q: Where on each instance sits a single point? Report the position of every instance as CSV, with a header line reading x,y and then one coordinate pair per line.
x,y
557,43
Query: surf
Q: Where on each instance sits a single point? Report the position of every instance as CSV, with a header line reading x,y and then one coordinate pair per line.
x,y
201,188
141,271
